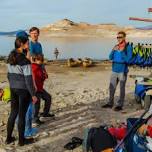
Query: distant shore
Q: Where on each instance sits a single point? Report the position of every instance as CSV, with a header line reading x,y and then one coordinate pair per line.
x,y
3,58
68,28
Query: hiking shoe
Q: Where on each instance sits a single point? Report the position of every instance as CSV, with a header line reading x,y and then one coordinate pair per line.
x,y
10,140
37,122
107,106
47,115
118,108
26,142
30,132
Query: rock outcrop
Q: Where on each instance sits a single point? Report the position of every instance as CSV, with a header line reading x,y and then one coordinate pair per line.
x,y
68,28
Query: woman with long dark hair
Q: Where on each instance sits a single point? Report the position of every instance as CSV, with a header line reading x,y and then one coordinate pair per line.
x,y
22,89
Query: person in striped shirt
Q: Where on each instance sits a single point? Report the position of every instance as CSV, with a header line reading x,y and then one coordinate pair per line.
x,y
22,89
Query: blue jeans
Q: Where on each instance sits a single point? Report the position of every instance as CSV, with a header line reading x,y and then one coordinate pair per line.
x,y
29,131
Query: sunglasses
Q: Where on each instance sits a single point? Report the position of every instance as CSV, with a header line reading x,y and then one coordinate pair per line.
x,y
119,37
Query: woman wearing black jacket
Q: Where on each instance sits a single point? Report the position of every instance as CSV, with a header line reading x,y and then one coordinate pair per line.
x,y
22,89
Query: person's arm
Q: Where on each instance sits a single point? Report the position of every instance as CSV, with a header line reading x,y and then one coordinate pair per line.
x,y
27,71
34,83
31,52
111,55
45,74
28,56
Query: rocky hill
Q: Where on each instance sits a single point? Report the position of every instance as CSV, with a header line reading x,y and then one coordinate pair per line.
x,y
68,28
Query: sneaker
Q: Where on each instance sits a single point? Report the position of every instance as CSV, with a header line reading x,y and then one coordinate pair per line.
x,y
107,106
9,141
30,132
47,115
118,108
37,122
26,142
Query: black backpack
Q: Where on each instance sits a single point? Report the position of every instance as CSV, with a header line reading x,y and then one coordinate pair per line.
x,y
98,139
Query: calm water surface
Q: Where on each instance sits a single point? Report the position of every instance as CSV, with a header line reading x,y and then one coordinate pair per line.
x,y
96,48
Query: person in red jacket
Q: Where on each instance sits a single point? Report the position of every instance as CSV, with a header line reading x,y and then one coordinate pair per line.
x,y
39,76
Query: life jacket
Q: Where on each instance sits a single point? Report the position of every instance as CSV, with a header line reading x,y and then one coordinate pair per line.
x,y
132,56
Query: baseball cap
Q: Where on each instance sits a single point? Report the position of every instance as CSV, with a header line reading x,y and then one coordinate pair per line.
x,y
22,34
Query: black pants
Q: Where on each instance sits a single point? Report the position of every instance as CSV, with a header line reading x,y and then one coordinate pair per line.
x,y
47,98
19,105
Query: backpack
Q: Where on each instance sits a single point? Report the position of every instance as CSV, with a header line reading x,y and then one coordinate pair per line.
x,y
97,139
6,95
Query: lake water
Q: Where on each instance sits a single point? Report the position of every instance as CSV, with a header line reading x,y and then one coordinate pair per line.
x,y
96,48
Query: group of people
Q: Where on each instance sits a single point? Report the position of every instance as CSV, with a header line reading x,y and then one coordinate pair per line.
x,y
26,75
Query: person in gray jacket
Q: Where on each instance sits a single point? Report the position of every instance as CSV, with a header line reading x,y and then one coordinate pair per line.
x,y
22,89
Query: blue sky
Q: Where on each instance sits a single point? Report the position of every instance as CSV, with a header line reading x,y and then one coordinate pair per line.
x,y
21,14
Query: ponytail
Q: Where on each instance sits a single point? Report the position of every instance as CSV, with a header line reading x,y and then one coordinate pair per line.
x,y
19,41
12,58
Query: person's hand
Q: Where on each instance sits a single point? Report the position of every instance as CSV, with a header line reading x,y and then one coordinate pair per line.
x,y
45,74
28,56
34,99
142,129
115,48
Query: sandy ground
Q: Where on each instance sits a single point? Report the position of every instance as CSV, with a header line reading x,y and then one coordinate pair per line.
x,y
77,96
